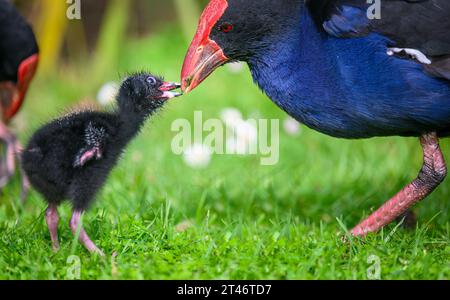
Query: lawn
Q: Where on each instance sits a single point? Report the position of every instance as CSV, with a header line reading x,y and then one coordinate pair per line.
x,y
234,219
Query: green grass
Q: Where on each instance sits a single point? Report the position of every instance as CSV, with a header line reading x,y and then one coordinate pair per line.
x,y
241,220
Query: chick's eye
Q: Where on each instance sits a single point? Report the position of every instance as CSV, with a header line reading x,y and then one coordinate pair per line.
x,y
226,27
151,80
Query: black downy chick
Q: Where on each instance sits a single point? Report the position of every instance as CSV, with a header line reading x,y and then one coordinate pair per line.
x,y
70,158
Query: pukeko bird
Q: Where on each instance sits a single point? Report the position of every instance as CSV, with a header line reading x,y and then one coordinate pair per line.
x,y
18,63
70,158
346,68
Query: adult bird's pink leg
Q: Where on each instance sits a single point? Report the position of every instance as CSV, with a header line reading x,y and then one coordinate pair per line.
x,y
432,174
2,167
52,219
10,163
25,183
75,225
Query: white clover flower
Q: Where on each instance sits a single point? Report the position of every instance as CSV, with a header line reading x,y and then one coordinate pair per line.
x,y
231,116
245,138
197,156
292,126
107,93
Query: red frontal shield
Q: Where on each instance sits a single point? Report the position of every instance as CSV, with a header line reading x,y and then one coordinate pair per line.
x,y
204,55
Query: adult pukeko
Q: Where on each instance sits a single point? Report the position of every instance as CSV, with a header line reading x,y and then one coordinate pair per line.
x,y
71,157
345,68
18,63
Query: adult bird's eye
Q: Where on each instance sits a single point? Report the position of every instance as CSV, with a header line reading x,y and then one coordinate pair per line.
x,y
151,80
226,27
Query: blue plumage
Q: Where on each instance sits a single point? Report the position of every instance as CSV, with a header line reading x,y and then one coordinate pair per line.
x,y
350,21
350,88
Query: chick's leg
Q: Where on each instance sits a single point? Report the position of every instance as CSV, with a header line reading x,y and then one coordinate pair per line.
x,y
77,228
432,174
52,219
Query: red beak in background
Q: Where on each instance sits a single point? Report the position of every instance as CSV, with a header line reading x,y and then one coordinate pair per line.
x,y
204,55
26,72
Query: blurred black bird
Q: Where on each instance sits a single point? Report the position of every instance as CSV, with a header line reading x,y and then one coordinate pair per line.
x,y
19,56
70,158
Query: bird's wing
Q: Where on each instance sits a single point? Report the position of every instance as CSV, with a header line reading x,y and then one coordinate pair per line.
x,y
94,137
415,25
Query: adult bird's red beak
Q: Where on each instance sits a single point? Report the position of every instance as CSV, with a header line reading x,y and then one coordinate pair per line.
x,y
204,55
26,72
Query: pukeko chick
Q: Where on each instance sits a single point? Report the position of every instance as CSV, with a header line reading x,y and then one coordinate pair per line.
x,y
70,158
18,63
346,68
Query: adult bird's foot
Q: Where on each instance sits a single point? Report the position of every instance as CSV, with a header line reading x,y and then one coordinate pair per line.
x,y
432,174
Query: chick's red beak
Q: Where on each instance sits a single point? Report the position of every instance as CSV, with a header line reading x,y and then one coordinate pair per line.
x,y
167,87
204,55
26,72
